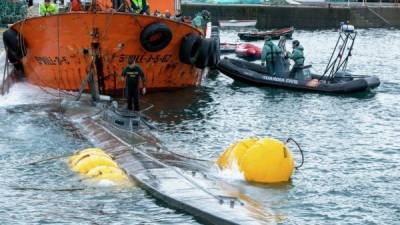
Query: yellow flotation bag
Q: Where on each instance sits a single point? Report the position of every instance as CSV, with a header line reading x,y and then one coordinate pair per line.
x,y
97,164
91,161
73,160
267,161
107,172
234,153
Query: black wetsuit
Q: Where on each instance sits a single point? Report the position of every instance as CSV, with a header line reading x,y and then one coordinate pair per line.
x,y
132,85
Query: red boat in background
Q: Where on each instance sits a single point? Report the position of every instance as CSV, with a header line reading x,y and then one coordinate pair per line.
x,y
248,51
227,47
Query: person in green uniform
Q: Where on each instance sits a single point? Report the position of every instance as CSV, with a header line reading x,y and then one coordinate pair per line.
x,y
47,8
269,53
132,74
201,20
297,56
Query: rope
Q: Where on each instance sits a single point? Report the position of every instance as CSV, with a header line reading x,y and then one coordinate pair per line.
x,y
48,159
4,74
162,164
109,20
45,189
58,61
301,151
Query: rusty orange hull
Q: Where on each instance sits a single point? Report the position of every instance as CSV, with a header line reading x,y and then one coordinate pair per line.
x,y
57,55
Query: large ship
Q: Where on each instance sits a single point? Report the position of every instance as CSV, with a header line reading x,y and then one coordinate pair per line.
x,y
67,50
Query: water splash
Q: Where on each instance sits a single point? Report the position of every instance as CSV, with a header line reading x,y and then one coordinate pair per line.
x,y
24,93
232,173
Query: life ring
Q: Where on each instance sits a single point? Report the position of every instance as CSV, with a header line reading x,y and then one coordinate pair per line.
x,y
155,37
189,49
14,45
204,54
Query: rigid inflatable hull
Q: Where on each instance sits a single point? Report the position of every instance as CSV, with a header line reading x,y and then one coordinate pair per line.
x,y
255,74
56,46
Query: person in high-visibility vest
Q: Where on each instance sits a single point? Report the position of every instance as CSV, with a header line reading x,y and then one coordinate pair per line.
x,y
140,7
48,8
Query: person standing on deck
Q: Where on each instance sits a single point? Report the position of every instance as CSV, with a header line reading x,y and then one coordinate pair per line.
x,y
48,8
133,73
269,52
201,20
140,7
104,5
178,16
76,5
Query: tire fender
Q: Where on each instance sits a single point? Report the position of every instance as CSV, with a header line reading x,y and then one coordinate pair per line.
x,y
13,43
155,37
204,54
189,50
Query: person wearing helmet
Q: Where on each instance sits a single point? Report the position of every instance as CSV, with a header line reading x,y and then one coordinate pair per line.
x,y
132,74
269,54
201,20
297,56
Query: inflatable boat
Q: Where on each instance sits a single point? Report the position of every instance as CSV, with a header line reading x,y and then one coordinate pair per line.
x,y
226,48
248,51
260,35
342,83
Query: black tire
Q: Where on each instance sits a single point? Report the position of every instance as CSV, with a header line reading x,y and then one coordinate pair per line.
x,y
155,37
13,43
204,54
215,29
189,49
214,35
214,53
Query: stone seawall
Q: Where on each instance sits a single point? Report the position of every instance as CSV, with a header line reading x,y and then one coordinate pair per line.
x,y
301,16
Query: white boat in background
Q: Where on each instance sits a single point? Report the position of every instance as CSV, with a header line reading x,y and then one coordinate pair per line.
x,y
237,23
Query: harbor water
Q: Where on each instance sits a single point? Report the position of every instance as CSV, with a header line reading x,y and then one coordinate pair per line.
x,y
351,173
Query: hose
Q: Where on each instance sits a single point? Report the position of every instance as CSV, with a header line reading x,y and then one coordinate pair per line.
x,y
301,151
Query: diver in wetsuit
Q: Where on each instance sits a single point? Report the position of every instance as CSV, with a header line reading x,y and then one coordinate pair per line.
x,y
132,73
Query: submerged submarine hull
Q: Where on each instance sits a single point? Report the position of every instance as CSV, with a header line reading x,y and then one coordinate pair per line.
x,y
179,182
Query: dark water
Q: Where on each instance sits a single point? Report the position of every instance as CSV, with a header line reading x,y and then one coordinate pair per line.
x,y
351,173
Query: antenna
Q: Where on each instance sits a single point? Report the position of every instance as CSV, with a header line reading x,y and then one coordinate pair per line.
x,y
342,51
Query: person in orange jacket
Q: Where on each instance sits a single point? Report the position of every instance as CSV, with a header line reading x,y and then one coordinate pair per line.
x,y
76,5
104,5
